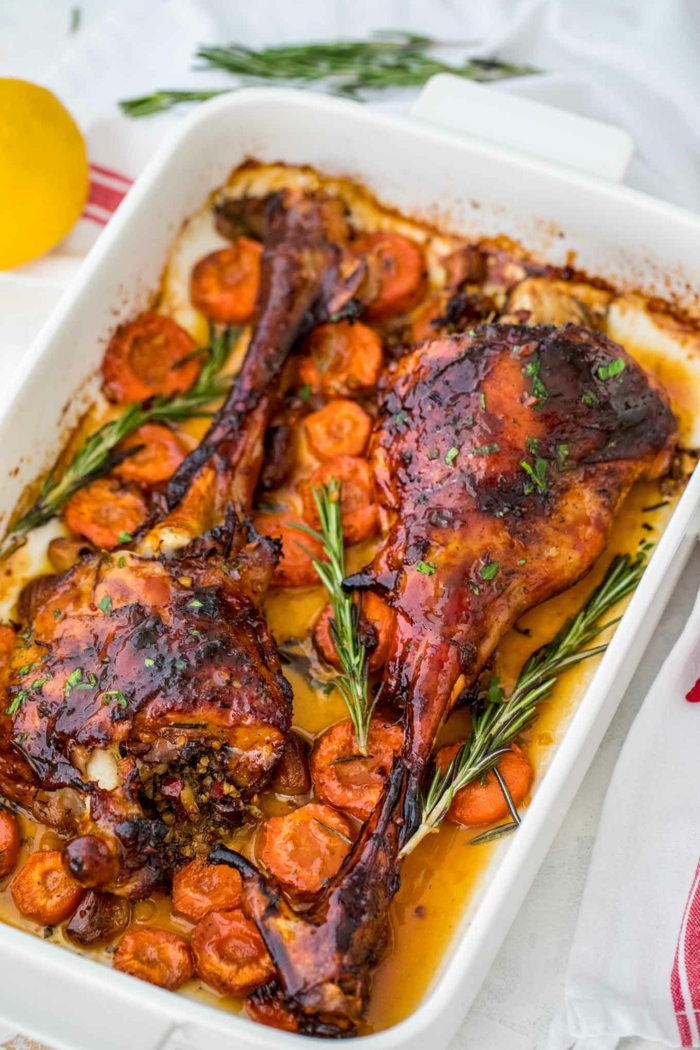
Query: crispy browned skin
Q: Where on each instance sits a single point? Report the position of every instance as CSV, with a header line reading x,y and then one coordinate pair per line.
x,y
150,698
454,513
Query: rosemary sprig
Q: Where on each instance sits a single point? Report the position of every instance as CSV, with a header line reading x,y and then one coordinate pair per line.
x,y
345,622
497,725
98,455
342,67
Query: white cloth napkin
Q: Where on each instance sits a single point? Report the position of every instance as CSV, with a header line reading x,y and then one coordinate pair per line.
x,y
635,963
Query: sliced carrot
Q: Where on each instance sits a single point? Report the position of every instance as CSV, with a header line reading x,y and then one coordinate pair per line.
x,y
403,277
105,509
376,631
344,358
44,891
200,888
433,309
154,955
9,842
266,1006
480,803
161,455
340,428
295,567
305,848
346,779
229,953
148,356
225,283
358,510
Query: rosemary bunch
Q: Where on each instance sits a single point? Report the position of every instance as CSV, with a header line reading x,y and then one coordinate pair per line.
x,y
343,67
497,725
345,623
99,453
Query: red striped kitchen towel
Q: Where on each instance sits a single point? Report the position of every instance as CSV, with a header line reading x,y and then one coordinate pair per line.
x,y
634,968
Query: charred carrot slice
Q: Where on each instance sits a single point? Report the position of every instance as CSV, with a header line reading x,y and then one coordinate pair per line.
x,y
148,356
105,509
9,842
44,891
305,848
402,273
376,631
230,954
200,888
434,308
266,1005
224,285
480,803
358,511
344,778
154,955
160,453
340,428
295,567
341,359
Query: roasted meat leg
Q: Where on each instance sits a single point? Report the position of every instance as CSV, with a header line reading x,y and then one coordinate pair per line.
x,y
147,694
502,459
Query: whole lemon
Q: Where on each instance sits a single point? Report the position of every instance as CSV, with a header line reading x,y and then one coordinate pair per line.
x,y
43,171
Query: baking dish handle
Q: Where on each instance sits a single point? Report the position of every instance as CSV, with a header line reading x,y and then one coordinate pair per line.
x,y
524,125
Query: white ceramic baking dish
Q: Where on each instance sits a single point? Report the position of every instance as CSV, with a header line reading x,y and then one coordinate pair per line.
x,y
472,186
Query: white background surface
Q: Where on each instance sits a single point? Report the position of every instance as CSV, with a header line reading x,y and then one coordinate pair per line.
x,y
525,985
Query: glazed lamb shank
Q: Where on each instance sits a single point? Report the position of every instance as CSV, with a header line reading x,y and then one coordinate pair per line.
x,y
146,693
511,447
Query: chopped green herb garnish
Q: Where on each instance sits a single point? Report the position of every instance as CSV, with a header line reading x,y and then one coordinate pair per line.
x,y
41,681
489,571
57,614
125,537
589,398
562,453
305,392
105,604
532,370
474,588
400,417
469,419
121,563
181,664
537,474
483,400
24,669
73,678
194,604
612,369
451,456
426,567
89,684
494,691
148,662
522,561
116,695
531,445
486,450
17,702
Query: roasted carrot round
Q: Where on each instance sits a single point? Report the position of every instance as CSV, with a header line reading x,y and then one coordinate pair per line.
x,y
358,510
376,631
148,356
9,842
341,359
44,891
344,778
295,567
403,277
480,803
434,308
200,888
229,953
305,848
340,428
267,1006
105,509
225,284
161,455
154,955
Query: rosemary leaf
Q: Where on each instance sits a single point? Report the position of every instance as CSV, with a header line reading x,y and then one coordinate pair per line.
x,y
99,453
344,624
340,67
497,724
